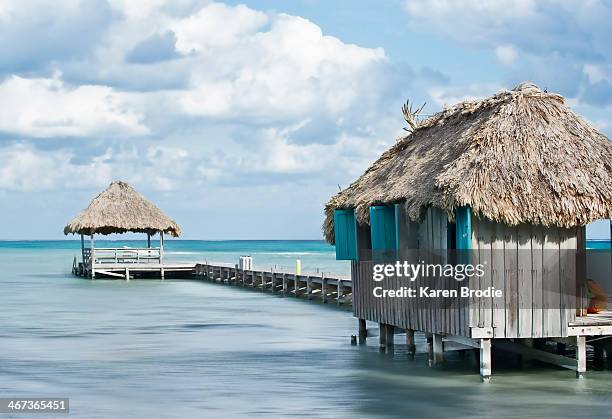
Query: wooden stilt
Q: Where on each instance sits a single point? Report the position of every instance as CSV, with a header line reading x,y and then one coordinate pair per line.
x,y
485,360
581,364
92,259
410,341
382,335
363,331
162,274
390,339
309,288
323,289
127,274
438,349
284,284
339,292
83,249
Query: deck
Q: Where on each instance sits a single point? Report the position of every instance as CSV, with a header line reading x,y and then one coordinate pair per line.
x,y
593,324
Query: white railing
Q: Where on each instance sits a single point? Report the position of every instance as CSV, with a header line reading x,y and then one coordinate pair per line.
x,y
127,255
86,257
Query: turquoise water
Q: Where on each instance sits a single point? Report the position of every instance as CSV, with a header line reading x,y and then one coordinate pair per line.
x,y
316,256
189,349
598,244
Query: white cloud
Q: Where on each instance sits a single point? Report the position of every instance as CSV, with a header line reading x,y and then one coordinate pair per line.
x,y
217,26
465,19
450,95
271,67
239,99
597,72
506,54
24,168
49,108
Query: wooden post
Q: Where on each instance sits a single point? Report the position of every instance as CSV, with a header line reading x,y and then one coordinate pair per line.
x,y
161,254
389,339
83,249
382,335
363,331
485,360
284,284
323,290
339,292
309,287
410,341
148,240
127,273
92,258
438,349
581,356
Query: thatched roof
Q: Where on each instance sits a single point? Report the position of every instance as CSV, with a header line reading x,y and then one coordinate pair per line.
x,y
120,209
520,156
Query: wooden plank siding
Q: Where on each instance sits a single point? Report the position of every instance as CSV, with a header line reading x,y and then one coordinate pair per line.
x,y
536,269
534,266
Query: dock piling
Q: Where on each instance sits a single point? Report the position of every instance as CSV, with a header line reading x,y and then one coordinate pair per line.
x,y
410,341
581,356
485,360
438,350
363,331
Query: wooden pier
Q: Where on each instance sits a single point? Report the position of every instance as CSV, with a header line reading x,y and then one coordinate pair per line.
x,y
138,263
328,290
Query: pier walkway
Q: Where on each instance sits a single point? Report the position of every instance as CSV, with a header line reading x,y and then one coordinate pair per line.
x,y
311,287
319,286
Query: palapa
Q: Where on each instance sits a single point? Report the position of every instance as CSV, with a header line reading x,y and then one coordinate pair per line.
x,y
520,156
120,209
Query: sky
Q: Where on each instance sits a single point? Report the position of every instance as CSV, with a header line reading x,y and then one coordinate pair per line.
x,y
241,119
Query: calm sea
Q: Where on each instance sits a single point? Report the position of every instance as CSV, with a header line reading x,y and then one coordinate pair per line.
x,y
188,349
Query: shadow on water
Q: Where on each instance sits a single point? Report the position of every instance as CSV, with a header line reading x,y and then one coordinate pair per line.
x,y
398,385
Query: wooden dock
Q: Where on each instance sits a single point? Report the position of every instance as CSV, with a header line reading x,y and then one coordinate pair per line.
x,y
124,265
336,290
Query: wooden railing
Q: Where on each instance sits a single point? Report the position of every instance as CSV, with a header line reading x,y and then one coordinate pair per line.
x,y
86,257
125,255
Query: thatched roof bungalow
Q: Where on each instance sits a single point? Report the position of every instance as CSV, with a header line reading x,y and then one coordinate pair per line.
x,y
519,156
120,209
509,183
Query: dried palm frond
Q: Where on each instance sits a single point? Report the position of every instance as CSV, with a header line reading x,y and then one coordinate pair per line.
x,y
519,156
411,117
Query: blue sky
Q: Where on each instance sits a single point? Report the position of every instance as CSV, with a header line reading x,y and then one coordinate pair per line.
x,y
240,119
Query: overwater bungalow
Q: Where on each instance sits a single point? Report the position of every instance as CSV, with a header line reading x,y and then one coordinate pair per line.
x,y
508,182
120,209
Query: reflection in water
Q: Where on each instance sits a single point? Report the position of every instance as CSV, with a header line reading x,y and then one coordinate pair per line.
x,y
194,349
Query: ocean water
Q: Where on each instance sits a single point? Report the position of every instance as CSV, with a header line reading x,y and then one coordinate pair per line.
x,y
316,256
191,349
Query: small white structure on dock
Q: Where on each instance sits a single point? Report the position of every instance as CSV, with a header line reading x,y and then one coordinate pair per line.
x,y
120,209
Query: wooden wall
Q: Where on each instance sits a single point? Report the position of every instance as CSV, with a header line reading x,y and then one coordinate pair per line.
x,y
426,242
535,267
